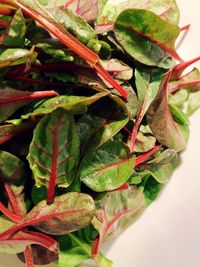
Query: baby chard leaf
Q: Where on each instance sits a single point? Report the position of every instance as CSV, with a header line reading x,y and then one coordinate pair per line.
x,y
108,167
11,100
95,131
54,151
13,175
115,212
68,213
162,167
161,122
146,37
15,33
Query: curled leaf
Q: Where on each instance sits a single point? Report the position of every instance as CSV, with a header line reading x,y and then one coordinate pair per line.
x,y
161,122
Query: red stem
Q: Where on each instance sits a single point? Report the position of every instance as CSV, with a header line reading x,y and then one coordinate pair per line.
x,y
185,28
4,23
146,156
72,43
109,79
29,256
13,217
5,11
27,97
178,69
12,199
184,84
135,131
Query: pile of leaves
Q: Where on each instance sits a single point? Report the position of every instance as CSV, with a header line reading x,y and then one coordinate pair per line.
x,y
94,110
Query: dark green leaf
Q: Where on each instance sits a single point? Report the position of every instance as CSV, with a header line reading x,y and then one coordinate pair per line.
x,y
162,167
54,150
14,35
95,131
108,167
146,37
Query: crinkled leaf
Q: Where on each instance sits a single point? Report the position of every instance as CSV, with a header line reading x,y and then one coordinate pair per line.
x,y
161,122
14,35
68,213
11,100
73,104
162,167
13,173
116,211
54,150
95,131
108,167
119,70
112,9
88,10
146,37
16,56
144,142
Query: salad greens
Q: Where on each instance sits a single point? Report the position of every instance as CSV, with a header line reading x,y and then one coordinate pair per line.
x,y
94,111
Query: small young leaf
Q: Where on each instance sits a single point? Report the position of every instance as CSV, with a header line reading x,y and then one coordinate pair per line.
x,y
73,104
162,167
146,37
108,167
13,174
15,33
161,122
95,131
54,151
115,212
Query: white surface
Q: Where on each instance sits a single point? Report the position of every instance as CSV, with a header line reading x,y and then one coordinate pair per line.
x,y
168,233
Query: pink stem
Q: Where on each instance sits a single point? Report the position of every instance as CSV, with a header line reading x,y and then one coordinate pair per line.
x,y
13,217
178,69
146,156
29,256
183,85
185,28
4,23
27,97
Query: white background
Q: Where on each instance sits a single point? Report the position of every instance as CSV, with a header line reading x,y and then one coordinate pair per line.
x,y
168,233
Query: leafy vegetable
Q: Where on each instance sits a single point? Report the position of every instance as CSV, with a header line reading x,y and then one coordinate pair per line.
x,y
93,112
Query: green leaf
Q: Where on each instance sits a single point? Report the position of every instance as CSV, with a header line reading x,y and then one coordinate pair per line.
x,y
146,37
73,104
14,35
68,213
116,211
11,100
162,167
54,150
14,174
108,167
151,189
111,10
161,122
193,102
16,56
95,131
144,142
76,247
147,84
